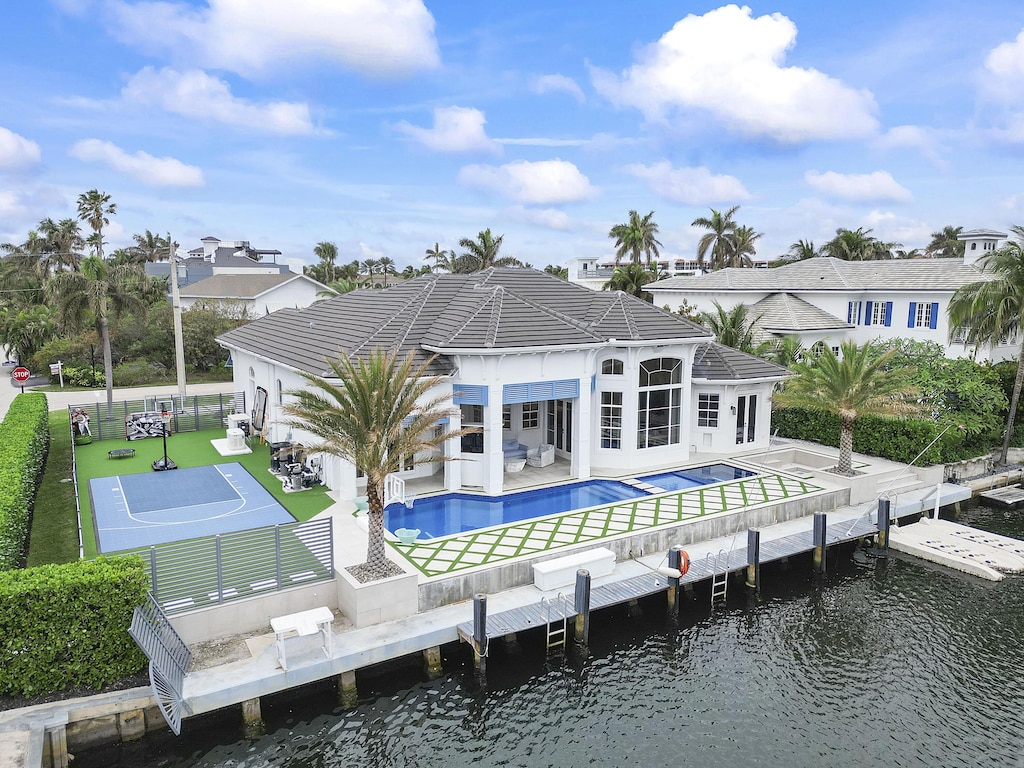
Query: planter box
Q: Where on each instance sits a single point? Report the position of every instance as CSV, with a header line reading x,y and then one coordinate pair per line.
x,y
377,601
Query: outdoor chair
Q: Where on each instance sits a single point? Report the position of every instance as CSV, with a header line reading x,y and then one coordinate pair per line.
x,y
541,456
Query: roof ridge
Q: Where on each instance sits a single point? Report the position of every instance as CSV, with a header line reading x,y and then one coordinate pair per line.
x,y
416,304
497,301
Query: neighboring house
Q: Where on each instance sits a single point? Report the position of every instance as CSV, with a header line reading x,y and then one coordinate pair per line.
x,y
593,273
613,384
828,300
221,257
245,295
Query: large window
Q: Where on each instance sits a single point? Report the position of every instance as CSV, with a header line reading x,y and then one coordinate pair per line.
x,y
659,406
707,410
473,416
923,315
611,420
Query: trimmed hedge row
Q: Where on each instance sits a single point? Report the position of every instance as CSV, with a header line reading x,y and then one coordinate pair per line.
x,y
24,442
896,439
67,625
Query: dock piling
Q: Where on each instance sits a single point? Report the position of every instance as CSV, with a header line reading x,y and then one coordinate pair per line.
x,y
348,694
432,662
252,718
754,559
675,559
883,523
820,544
480,631
581,604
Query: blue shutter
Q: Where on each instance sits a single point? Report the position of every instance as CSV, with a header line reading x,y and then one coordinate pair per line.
x,y
541,390
470,394
935,316
867,312
888,314
913,311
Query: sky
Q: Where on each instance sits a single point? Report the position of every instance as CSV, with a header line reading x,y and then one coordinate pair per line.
x,y
386,126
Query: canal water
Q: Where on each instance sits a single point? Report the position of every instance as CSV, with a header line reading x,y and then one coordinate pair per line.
x,y
884,661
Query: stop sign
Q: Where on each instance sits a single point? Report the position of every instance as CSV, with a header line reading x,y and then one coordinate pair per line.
x,y
20,374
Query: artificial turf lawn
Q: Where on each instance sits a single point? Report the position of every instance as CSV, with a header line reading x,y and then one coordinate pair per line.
x,y
187,449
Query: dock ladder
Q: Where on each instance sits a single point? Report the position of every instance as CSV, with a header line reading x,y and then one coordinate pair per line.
x,y
719,578
556,614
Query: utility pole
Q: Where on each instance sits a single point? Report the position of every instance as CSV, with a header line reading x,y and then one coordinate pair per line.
x,y
179,346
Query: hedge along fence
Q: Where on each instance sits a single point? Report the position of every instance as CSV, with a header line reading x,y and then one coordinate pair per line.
x,y
63,626
889,438
24,442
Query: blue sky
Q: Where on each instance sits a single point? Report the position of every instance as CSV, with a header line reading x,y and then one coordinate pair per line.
x,y
389,125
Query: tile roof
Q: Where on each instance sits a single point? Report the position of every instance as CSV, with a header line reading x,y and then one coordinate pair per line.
x,y
830,274
236,286
716,362
494,309
786,313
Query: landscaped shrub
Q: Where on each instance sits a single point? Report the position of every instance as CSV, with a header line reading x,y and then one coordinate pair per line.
x,y
63,626
894,439
75,376
24,441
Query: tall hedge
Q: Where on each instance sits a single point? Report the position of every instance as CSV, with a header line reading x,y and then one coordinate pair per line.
x,y
63,626
24,442
888,438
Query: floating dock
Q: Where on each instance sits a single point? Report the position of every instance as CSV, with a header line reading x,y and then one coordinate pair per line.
x,y
966,549
1008,496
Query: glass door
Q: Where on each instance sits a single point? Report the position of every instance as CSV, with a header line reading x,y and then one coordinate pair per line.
x,y
559,424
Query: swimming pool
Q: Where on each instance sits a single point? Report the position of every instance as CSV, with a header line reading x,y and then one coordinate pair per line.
x,y
451,513
680,479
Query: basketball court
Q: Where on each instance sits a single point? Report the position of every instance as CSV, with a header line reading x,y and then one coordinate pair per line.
x,y
132,511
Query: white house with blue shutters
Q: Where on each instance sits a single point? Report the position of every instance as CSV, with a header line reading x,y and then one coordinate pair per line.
x,y
552,376
828,301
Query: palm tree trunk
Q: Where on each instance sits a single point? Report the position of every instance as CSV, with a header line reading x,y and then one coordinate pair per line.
x,y
1014,398
376,560
845,466
108,362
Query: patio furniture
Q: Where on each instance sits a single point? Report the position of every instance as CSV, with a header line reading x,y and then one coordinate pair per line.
x,y
541,456
514,465
362,504
512,448
407,535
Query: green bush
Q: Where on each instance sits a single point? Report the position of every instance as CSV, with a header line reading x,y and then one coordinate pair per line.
x,y
24,441
67,625
75,376
895,439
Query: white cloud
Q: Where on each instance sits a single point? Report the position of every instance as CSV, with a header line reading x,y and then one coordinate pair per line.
x,y
558,84
199,96
156,171
456,129
914,137
692,186
1004,67
547,182
878,186
729,65
16,152
551,218
259,37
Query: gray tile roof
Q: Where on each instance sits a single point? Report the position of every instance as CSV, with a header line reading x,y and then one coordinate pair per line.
x,y
716,362
495,309
785,313
830,274
236,286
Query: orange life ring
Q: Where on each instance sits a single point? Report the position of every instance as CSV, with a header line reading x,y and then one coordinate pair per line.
x,y
684,562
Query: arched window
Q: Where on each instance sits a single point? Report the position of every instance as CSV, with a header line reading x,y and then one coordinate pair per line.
x,y
280,393
659,407
252,385
611,367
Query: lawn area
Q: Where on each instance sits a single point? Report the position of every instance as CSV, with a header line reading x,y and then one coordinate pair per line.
x,y
187,449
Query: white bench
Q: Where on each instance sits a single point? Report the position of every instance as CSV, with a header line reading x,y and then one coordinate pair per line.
x,y
303,623
561,571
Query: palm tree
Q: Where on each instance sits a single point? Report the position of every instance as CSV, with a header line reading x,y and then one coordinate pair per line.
x,y
440,257
786,351
387,266
854,383
716,244
373,412
635,237
62,246
24,330
734,327
149,248
482,253
631,278
93,208
741,249
991,311
336,288
944,244
798,251
93,291
852,245
557,271
328,254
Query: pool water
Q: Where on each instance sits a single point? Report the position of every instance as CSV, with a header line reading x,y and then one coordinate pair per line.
x,y
459,512
682,479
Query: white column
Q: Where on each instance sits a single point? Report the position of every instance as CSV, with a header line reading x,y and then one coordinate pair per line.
x,y
583,431
493,458
453,448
